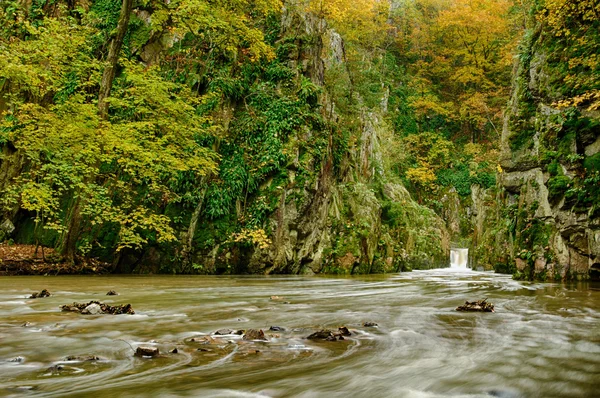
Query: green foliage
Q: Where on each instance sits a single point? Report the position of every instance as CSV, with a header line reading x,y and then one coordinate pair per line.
x,y
592,164
116,174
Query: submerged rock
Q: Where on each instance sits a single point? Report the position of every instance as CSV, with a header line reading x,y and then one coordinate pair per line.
x,y
82,358
276,329
146,352
344,331
369,324
43,293
324,334
254,334
203,340
55,368
476,306
16,360
223,332
92,307
112,293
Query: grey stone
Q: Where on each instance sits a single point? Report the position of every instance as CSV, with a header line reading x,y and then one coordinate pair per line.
x,y
92,309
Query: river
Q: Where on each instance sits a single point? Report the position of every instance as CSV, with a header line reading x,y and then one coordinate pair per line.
x,y
542,341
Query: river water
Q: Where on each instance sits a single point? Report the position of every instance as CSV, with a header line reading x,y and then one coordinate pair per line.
x,y
542,341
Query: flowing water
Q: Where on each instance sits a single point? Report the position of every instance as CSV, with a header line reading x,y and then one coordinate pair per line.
x,y
459,258
542,341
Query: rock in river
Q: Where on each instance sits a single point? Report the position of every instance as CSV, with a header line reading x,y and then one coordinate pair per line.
x,y
146,352
344,331
476,306
112,293
82,358
254,334
324,334
224,332
43,293
91,308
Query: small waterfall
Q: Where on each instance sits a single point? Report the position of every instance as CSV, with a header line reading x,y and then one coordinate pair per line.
x,y
459,258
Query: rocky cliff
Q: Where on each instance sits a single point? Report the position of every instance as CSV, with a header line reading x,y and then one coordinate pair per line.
x,y
546,222
337,212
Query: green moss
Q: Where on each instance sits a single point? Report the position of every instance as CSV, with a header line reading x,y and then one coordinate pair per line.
x,y
592,163
557,186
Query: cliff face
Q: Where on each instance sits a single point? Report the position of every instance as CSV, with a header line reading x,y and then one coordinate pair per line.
x,y
337,212
546,216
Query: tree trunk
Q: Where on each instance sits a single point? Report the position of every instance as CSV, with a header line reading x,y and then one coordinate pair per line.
x,y
189,241
113,57
69,243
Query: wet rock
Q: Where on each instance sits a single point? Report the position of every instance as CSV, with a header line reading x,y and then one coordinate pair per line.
x,y
82,358
324,334
26,325
223,332
254,334
276,329
174,351
204,349
92,309
16,360
69,308
85,308
476,306
344,331
55,368
203,340
43,293
369,324
146,352
112,293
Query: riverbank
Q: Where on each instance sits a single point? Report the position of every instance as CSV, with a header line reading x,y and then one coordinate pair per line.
x,y
16,259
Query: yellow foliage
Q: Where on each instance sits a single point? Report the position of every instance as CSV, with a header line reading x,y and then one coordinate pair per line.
x,y
558,13
422,176
257,237
356,20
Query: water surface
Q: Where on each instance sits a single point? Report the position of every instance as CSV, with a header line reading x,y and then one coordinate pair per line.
x,y
543,340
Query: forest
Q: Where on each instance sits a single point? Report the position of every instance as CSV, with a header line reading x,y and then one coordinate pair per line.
x,y
301,136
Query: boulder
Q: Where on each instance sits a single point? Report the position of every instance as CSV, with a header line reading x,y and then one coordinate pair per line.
x,y
43,293
146,352
324,334
92,309
476,306
344,331
254,334
6,229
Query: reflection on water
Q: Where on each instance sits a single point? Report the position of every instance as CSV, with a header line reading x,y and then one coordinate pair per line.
x,y
543,341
